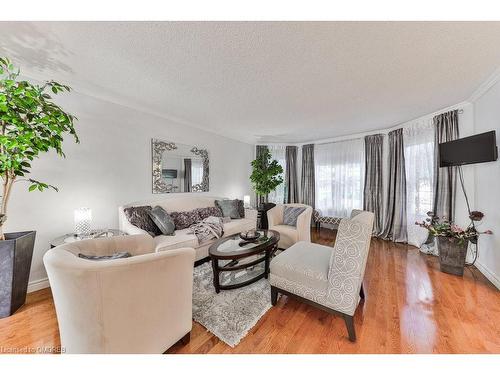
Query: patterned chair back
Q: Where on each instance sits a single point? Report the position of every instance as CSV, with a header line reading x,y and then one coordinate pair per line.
x,y
348,261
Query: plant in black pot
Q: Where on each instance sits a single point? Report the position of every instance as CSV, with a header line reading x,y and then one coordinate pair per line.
x,y
30,124
453,240
266,176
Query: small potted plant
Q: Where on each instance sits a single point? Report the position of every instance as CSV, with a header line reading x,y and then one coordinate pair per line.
x,y
453,240
30,124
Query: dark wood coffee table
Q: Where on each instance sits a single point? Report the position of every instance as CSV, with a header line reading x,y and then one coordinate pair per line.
x,y
237,263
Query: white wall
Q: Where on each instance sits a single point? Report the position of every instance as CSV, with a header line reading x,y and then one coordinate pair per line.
x,y
487,185
112,166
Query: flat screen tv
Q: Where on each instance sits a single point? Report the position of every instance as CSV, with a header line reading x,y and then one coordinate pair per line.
x,y
478,148
169,173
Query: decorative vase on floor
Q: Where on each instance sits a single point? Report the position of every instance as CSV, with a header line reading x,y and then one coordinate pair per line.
x,y
452,255
16,252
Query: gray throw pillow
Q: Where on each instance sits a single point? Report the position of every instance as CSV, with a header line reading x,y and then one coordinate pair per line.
x,y
120,255
162,220
229,208
241,208
139,216
290,215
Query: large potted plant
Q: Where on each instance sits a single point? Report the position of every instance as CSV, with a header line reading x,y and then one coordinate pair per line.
x,y
453,240
30,123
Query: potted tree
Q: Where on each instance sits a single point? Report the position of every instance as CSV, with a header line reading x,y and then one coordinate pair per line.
x,y
266,177
453,240
30,123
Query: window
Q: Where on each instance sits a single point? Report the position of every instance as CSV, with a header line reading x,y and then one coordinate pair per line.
x,y
278,154
339,172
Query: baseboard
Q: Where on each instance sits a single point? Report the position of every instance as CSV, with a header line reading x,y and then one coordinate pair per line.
x,y
488,274
35,285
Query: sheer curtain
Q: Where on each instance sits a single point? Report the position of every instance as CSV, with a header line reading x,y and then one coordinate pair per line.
x,y
196,171
278,154
419,159
339,171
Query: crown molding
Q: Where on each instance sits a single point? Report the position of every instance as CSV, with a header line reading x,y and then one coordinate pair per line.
x,y
485,86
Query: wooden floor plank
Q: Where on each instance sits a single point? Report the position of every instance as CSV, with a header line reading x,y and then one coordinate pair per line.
x,y
410,307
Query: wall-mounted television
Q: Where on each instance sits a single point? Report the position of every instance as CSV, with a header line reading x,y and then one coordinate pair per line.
x,y
169,173
478,148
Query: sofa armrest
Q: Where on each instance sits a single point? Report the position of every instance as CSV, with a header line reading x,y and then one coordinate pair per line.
x,y
125,225
304,225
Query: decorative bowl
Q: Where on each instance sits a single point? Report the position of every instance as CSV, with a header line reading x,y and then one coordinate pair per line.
x,y
250,235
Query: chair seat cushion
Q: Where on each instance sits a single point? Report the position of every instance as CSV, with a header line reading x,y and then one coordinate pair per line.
x,y
288,235
303,263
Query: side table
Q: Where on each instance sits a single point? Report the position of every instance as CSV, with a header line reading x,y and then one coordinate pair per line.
x,y
96,233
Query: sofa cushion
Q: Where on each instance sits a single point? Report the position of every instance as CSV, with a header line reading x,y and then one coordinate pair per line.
x,y
184,219
139,216
163,220
288,235
229,208
181,239
304,263
205,212
238,226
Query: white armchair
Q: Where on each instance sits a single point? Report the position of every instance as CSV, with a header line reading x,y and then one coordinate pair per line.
x,y
289,234
328,278
140,304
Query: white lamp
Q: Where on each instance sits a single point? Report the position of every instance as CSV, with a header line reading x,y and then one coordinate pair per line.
x,y
83,221
246,201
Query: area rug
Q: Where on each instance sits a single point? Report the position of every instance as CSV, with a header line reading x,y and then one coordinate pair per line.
x,y
230,314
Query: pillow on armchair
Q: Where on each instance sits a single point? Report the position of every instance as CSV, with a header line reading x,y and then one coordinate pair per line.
x,y
290,215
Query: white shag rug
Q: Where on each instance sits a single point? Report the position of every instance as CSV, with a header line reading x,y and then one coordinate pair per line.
x,y
230,314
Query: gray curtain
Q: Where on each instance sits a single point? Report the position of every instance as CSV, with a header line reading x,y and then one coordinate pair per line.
x,y
445,179
307,184
373,195
188,183
259,150
395,218
291,181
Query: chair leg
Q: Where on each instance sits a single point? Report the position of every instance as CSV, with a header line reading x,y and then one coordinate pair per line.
x,y
186,338
362,292
274,295
349,322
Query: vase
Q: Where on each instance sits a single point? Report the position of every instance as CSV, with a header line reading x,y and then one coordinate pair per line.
x,y
452,255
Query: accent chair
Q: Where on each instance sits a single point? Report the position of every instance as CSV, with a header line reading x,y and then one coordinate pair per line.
x,y
328,278
140,304
289,235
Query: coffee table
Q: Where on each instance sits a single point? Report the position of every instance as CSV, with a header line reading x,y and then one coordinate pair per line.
x,y
237,263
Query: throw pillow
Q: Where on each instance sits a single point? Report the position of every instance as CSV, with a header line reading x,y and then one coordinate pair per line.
x,y
184,219
139,216
205,212
290,215
120,255
241,208
229,208
163,220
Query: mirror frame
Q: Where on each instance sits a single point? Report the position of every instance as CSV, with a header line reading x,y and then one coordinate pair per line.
x,y
158,147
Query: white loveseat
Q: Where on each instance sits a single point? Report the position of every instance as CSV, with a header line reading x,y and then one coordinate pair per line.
x,y
186,202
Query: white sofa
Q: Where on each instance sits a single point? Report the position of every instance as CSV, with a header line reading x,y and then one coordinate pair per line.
x,y
140,304
186,202
290,235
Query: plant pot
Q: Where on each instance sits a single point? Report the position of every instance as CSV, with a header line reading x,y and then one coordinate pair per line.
x,y
452,255
16,252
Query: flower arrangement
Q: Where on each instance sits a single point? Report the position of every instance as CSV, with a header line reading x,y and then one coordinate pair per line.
x,y
441,227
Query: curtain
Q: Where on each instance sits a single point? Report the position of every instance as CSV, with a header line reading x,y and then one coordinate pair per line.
x,y
259,150
445,179
372,193
339,177
187,175
395,217
291,181
278,153
307,187
196,171
419,166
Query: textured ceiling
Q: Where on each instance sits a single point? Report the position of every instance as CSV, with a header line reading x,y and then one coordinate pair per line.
x,y
265,81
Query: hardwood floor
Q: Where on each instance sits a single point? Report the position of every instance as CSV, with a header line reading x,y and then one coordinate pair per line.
x,y
410,307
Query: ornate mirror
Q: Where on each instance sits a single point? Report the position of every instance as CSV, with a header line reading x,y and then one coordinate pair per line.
x,y
179,168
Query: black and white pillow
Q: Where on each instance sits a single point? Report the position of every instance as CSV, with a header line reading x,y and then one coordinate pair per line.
x,y
291,214
120,255
139,216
